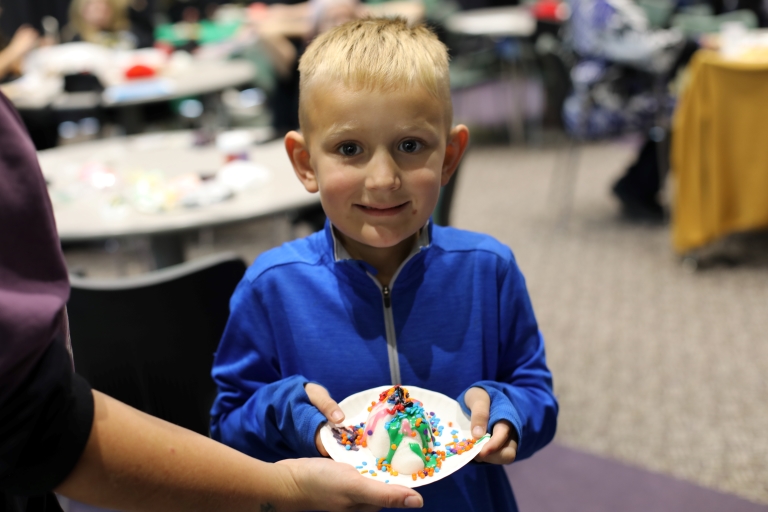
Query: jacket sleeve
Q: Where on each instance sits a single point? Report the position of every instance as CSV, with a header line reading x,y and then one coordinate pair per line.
x,y
257,411
522,389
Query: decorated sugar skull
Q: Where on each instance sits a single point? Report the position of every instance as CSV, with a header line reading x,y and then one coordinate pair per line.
x,y
398,431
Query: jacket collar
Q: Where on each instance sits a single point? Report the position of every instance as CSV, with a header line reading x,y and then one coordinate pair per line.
x,y
340,253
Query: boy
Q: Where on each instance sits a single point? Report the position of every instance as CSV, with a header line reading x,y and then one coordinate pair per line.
x,y
381,295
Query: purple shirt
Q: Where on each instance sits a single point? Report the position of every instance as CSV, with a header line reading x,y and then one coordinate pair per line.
x,y
34,287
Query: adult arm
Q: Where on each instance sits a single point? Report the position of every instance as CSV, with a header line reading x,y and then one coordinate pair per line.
x,y
24,39
59,434
258,410
134,461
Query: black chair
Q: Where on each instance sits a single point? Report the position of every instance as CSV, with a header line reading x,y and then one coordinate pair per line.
x,y
149,340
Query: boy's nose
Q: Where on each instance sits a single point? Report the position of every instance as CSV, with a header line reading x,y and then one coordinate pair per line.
x,y
383,173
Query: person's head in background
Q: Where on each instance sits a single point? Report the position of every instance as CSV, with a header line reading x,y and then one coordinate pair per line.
x,y
376,138
98,21
328,14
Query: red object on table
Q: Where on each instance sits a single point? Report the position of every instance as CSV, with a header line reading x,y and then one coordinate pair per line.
x,y
548,10
139,71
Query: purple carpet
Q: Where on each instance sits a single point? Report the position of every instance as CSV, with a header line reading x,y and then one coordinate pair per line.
x,y
560,479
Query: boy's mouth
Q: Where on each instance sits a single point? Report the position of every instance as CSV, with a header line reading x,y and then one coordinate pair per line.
x,y
382,211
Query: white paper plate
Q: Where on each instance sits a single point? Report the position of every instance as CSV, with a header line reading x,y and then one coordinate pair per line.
x,y
355,409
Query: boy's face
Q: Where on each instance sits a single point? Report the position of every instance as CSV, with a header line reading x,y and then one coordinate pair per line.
x,y
377,158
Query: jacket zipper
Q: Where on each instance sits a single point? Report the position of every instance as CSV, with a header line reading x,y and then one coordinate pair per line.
x,y
389,322
389,326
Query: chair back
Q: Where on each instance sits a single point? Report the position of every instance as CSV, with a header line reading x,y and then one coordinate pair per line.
x,y
149,340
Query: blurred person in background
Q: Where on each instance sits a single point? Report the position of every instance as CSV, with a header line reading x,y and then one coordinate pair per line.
x,y
622,89
12,52
58,434
622,62
141,15
190,10
285,30
40,124
108,23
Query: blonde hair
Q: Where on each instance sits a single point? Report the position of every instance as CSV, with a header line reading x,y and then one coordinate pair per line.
x,y
118,22
378,54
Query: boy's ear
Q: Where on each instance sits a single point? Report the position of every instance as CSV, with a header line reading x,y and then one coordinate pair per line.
x,y
298,152
454,150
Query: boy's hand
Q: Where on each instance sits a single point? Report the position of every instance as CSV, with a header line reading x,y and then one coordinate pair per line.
x,y
319,397
501,448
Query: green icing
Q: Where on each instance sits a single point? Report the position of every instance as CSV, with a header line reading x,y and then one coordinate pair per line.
x,y
396,437
431,463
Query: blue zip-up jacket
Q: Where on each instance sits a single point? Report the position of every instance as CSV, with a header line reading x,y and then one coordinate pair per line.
x,y
457,315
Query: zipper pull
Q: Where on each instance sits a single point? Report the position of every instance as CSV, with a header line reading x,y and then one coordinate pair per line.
x,y
387,298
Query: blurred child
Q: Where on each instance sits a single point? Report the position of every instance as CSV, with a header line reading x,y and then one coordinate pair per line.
x,y
103,22
382,295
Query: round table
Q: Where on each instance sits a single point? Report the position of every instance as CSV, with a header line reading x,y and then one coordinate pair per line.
x,y
199,77
84,212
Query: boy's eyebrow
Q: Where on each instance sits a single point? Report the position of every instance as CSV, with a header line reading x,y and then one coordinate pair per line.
x,y
341,129
424,123
338,129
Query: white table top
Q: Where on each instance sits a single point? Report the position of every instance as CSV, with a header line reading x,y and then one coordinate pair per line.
x,y
90,213
512,21
198,77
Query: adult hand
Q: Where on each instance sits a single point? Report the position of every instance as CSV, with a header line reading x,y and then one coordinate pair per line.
x,y
501,448
323,484
319,397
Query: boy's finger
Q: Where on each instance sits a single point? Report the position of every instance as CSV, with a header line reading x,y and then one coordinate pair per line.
x,y
505,456
499,438
319,397
479,403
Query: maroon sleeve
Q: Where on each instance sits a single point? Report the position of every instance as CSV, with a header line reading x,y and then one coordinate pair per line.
x,y
33,278
46,410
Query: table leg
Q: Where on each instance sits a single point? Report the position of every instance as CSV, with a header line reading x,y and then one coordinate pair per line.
x,y
216,111
167,250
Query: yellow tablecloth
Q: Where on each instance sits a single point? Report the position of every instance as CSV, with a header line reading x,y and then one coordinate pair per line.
x,y
720,151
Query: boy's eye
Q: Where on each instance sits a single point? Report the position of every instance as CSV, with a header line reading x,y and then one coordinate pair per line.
x,y
410,146
349,149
